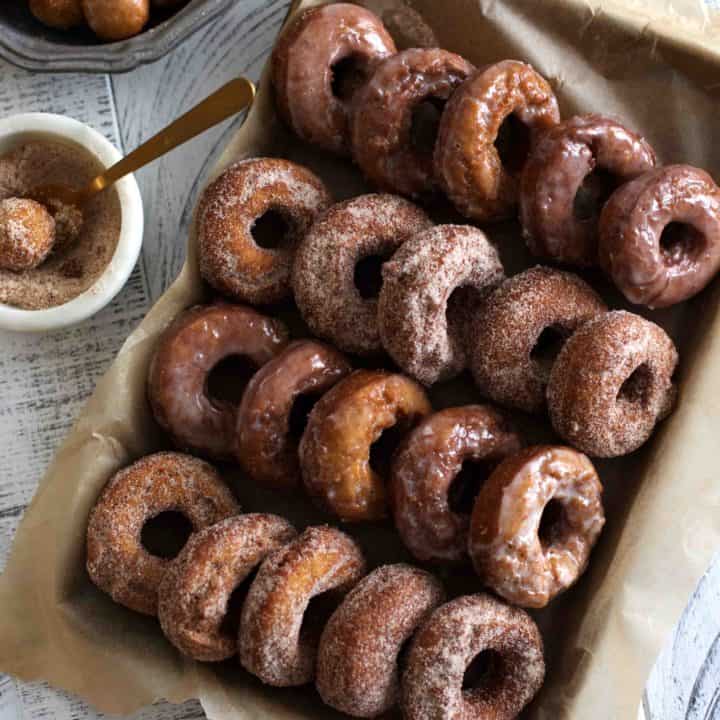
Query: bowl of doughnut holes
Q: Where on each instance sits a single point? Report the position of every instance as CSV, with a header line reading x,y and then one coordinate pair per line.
x,y
405,380
98,35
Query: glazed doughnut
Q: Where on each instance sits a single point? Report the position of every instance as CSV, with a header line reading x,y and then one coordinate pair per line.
x,y
325,275
509,361
335,447
481,181
446,645
195,590
660,235
27,234
423,325
318,64
357,668
278,637
195,342
231,259
117,561
424,468
386,140
61,14
611,383
116,19
534,523
265,444
561,191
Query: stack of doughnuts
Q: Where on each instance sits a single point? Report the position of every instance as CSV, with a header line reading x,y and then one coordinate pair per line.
x,y
310,613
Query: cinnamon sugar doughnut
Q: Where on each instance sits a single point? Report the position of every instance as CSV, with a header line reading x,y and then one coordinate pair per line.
x,y
357,669
444,648
383,125
535,522
195,590
611,383
196,341
481,181
509,358
326,265
431,290
278,634
116,19
569,174
335,450
660,235
265,442
319,62
427,463
27,234
231,260
61,14
117,562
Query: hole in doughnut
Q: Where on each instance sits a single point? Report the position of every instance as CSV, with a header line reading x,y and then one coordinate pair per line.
x,y
299,412
165,534
636,388
383,449
553,524
368,276
680,243
424,123
231,622
483,672
316,615
270,230
513,143
547,347
347,75
226,382
593,193
467,483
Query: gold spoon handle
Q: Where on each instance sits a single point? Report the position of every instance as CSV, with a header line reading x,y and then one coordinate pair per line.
x,y
223,103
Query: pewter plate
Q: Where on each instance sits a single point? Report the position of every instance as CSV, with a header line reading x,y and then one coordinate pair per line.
x,y
29,44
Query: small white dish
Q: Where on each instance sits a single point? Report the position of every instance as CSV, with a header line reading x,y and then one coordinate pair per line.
x,y
116,274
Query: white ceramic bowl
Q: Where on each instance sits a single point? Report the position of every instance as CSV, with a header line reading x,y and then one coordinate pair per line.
x,y
115,275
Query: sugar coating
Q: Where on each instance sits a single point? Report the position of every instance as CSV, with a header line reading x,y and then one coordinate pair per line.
x,y
274,643
424,336
230,259
357,669
27,234
590,407
195,590
447,643
323,274
509,323
117,562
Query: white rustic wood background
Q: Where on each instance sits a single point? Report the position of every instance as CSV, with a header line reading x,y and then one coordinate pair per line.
x,y
44,380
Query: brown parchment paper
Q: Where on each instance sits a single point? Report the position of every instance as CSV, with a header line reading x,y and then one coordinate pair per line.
x,y
663,503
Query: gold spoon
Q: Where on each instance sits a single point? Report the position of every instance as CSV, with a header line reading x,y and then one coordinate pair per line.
x,y
228,100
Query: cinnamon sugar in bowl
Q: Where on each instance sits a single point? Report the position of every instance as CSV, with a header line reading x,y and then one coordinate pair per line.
x,y
81,276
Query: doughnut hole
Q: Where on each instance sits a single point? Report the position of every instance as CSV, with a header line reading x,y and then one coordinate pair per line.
x,y
680,244
230,624
368,275
272,230
553,526
165,534
513,143
424,124
384,447
346,76
467,483
636,388
226,382
546,349
593,193
316,615
299,412
484,673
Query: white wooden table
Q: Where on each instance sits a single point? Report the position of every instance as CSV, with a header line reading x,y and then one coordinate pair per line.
x,y
44,380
